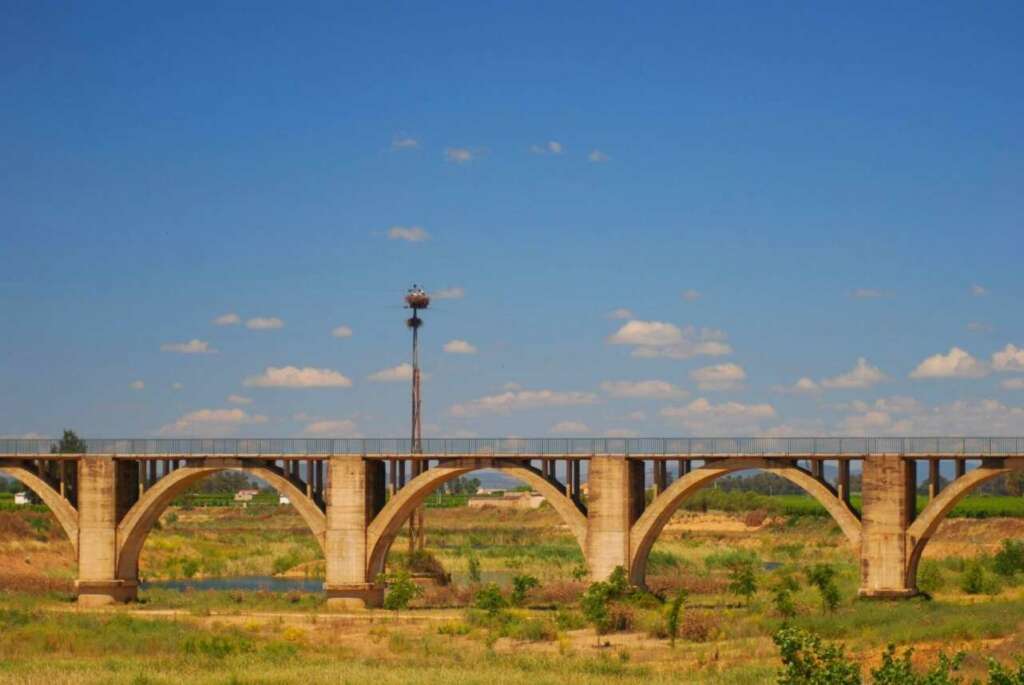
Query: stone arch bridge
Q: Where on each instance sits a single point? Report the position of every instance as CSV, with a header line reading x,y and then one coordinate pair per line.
x,y
355,495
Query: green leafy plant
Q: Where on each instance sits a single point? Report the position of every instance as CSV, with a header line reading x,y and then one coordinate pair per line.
x,y
806,660
743,580
1009,559
673,615
900,670
782,597
490,599
402,589
521,584
822,576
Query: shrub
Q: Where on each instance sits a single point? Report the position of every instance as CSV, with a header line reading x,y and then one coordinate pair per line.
x,y
900,670
474,569
1010,559
522,584
806,661
402,589
531,630
672,616
975,581
930,578
822,576
742,580
782,597
489,599
594,604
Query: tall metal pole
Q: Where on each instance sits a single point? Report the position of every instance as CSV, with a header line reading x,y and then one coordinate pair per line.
x,y
416,299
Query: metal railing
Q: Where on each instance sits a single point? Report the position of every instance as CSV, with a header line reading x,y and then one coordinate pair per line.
x,y
539,447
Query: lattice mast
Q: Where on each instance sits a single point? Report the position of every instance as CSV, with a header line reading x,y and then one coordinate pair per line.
x,y
416,299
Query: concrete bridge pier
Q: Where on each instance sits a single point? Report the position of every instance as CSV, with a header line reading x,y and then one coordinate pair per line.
x,y
888,508
354,494
100,501
614,503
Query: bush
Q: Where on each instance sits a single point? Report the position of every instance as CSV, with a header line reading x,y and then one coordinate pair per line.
x,y
522,584
672,616
822,576
900,671
742,580
930,578
975,581
782,597
1010,559
489,599
806,661
402,589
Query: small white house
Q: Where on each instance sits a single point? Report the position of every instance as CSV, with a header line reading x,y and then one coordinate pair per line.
x,y
283,500
21,498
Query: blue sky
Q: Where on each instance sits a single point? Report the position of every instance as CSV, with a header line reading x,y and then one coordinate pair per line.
x,y
768,192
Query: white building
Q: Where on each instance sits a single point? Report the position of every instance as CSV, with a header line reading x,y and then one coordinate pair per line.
x,y
283,500
21,498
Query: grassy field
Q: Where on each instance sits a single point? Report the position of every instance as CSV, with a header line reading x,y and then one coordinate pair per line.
x,y
263,637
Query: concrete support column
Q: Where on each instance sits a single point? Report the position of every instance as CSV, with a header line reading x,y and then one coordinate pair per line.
x,y
354,494
98,503
615,500
887,510
843,480
933,479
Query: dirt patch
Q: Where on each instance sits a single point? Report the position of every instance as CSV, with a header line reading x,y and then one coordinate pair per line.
x,y
972,537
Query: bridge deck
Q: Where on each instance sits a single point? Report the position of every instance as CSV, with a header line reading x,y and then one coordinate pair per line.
x,y
525,448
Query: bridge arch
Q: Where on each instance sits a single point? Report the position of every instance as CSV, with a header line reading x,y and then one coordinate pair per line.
x,y
66,515
385,526
138,521
654,518
935,512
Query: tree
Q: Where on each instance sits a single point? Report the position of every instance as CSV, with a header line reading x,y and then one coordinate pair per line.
x,y
402,589
521,584
807,661
782,596
900,670
594,604
69,443
742,580
489,599
672,616
822,576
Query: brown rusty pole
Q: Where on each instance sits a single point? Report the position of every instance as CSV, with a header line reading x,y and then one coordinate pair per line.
x,y
416,299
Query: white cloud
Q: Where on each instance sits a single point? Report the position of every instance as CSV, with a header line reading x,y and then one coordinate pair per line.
x,y
956,364
701,416
652,389
177,386
552,147
512,385
636,416
264,323
459,347
402,372
342,332
1010,358
867,294
459,155
294,377
597,157
228,320
979,327
211,422
137,385
660,339
449,294
1013,384
570,427
691,295
401,142
620,313
964,417
340,428
519,400
410,234
621,433
719,377
239,399
194,346
803,386
978,290
862,375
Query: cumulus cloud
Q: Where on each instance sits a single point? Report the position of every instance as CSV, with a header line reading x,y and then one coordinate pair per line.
x,y
342,332
459,155
979,327
211,422
957,363
194,346
719,377
400,142
620,313
691,295
803,386
1013,384
597,157
963,417
979,290
294,377
410,234
177,386
867,293
229,319
264,323
1010,358
402,372
661,339
701,416
239,399
862,375
459,347
621,433
339,428
137,385
517,400
652,389
570,428
449,294
636,416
